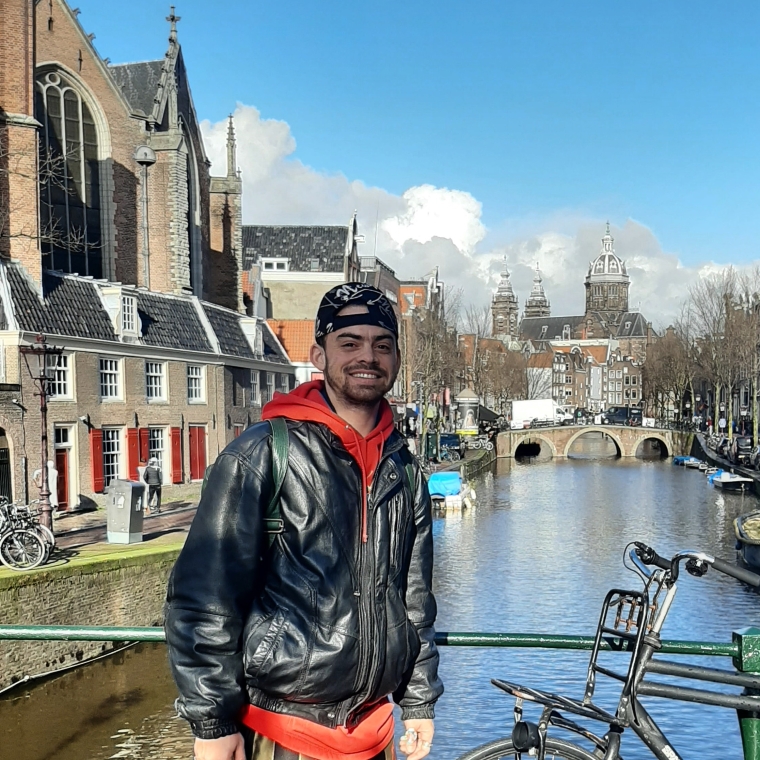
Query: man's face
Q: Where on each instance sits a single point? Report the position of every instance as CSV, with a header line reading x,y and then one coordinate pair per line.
x,y
360,362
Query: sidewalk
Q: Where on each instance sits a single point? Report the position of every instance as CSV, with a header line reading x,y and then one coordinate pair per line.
x,y
74,529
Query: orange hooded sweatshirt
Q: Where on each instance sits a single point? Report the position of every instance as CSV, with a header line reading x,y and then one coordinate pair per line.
x,y
307,403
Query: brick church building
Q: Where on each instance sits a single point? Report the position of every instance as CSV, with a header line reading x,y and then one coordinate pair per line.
x,y
117,244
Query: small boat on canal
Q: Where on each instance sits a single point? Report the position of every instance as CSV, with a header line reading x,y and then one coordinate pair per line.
x,y
730,481
693,463
747,529
448,490
686,461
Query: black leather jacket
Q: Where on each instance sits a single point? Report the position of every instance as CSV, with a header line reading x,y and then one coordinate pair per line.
x,y
323,626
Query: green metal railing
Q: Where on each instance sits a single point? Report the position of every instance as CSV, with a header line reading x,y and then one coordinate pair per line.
x,y
456,639
744,649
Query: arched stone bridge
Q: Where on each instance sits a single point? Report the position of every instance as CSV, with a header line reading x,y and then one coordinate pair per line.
x,y
559,440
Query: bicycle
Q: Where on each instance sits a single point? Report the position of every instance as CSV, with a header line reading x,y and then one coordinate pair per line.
x,y
447,454
630,621
24,543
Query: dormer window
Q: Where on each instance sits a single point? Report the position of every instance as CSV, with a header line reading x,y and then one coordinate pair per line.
x,y
543,331
627,325
129,315
275,264
314,265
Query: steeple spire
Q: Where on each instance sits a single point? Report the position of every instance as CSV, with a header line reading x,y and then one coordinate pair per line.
x,y
172,19
231,161
537,304
505,285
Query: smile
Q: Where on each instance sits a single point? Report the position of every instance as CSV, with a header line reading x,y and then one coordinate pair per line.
x,y
365,375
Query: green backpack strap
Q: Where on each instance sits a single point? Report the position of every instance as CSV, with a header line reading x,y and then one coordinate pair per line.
x,y
280,441
410,476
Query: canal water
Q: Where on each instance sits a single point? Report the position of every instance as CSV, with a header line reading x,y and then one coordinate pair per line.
x,y
537,554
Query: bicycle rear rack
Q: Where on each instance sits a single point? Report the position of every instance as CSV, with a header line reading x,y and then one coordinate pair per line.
x,y
626,618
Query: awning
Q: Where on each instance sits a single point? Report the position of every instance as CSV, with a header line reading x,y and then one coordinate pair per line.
x,y
486,415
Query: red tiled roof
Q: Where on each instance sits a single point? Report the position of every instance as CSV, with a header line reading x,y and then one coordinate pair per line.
x,y
296,336
542,360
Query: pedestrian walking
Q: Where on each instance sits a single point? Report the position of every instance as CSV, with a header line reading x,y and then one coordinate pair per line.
x,y
153,479
301,601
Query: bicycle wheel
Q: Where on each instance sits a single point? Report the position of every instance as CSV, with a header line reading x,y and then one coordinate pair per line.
x,y
22,550
504,749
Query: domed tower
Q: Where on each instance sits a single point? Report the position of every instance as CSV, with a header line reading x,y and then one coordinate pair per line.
x,y
504,308
607,283
537,304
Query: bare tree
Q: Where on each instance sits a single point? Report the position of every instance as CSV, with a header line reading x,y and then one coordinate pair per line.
x,y
476,320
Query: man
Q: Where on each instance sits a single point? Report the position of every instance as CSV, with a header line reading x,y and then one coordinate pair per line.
x,y
153,479
303,640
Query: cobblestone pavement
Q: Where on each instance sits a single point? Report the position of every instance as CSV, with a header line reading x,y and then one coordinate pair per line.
x,y
176,518
80,529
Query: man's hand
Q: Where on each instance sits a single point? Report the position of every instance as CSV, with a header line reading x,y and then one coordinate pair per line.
x,y
227,748
418,739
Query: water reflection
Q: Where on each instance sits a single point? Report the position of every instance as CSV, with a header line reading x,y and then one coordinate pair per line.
x,y
537,555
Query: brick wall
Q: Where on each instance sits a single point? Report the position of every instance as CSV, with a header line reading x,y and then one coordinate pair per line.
x,y
117,592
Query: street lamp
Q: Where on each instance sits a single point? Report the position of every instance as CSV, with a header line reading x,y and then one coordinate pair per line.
x,y
42,362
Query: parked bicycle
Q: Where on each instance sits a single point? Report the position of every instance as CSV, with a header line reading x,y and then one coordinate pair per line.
x,y
447,454
630,621
24,543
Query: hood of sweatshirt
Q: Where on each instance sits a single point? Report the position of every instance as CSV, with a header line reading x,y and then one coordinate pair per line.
x,y
308,403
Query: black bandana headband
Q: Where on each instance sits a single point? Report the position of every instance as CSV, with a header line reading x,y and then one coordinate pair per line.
x,y
379,310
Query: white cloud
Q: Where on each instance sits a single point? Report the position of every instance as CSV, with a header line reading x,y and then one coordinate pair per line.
x,y
429,226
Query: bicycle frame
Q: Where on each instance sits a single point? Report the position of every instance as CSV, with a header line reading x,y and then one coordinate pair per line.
x,y
637,620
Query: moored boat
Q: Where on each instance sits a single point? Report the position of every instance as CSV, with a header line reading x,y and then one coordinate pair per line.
x,y
449,491
747,529
693,463
730,481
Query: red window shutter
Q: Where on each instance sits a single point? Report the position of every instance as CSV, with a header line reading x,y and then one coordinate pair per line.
x,y
132,453
176,455
96,460
144,453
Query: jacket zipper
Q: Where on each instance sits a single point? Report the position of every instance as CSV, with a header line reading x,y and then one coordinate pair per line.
x,y
365,662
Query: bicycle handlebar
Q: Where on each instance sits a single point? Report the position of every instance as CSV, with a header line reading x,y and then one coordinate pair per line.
x,y
648,556
737,572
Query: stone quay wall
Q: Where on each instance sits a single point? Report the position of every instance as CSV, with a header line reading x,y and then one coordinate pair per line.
x,y
111,591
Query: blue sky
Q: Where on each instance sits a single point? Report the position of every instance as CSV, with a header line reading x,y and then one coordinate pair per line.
x,y
551,114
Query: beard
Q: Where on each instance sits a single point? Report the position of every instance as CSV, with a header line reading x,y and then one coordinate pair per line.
x,y
354,391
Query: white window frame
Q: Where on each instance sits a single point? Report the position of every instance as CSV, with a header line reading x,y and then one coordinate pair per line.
x,y
284,383
118,439
200,377
63,375
115,368
128,315
155,391
158,434
270,387
255,388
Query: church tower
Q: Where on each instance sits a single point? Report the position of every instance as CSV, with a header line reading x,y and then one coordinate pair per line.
x,y
19,197
537,304
504,309
607,284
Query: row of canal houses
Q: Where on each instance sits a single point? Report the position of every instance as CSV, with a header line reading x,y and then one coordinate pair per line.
x,y
175,322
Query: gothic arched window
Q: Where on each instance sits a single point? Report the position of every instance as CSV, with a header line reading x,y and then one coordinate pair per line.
x,y
70,223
